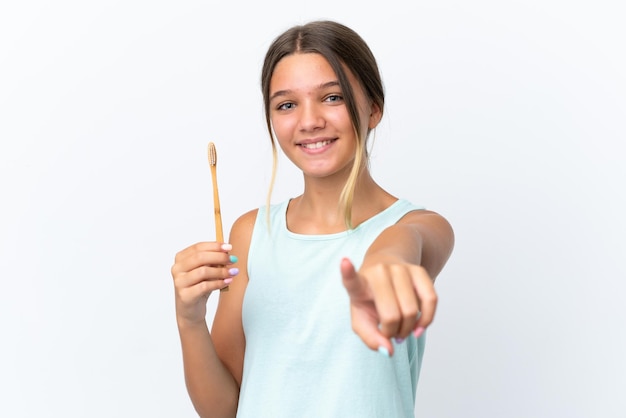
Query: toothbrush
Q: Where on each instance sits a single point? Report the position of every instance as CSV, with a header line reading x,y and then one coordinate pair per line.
x,y
216,199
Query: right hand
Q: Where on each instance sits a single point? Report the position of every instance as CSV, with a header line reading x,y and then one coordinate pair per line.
x,y
198,270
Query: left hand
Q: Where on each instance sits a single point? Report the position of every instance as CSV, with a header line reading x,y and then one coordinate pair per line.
x,y
390,300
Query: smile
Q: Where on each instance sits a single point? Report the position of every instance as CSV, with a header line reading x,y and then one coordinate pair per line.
x,y
316,145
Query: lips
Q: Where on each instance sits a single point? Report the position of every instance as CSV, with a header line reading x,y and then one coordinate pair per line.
x,y
316,144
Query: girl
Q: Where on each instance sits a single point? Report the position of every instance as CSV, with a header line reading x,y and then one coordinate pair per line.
x,y
333,289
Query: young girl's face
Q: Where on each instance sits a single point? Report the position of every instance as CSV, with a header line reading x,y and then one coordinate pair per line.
x,y
310,118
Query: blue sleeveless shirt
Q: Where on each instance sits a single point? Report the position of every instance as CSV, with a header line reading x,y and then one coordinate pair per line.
x,y
302,357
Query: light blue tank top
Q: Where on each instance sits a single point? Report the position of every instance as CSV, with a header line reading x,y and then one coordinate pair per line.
x,y
302,358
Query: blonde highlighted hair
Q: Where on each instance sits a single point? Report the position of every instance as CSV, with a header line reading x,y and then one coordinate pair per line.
x,y
340,46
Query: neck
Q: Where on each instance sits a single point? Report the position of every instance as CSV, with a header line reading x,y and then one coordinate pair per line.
x,y
317,211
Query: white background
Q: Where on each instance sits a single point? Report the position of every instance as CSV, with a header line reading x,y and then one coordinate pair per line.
x,y
508,117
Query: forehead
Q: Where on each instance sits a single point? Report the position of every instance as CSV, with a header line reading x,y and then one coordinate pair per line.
x,y
302,69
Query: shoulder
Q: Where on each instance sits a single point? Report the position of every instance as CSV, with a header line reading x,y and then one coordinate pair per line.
x,y
436,234
429,221
248,219
423,216
241,233
245,223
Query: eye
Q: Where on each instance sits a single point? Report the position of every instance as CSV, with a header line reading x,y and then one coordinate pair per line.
x,y
333,98
285,106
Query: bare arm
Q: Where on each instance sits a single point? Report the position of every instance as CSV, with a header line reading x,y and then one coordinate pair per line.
x,y
228,335
211,387
421,237
212,361
393,293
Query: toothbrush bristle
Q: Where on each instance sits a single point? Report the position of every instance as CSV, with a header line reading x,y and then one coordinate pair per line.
x,y
212,154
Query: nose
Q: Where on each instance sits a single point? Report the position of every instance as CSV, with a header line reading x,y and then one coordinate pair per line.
x,y
311,117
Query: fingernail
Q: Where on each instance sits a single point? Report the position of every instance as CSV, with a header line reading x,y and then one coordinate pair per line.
x,y
399,340
418,332
383,350
227,247
233,259
234,271
228,281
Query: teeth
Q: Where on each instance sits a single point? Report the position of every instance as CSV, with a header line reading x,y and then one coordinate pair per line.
x,y
316,144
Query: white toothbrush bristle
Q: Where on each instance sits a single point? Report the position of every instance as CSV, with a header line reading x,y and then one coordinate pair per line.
x,y
212,154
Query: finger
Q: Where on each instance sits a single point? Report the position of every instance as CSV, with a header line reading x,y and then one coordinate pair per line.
x,y
426,295
384,297
357,289
194,259
201,247
363,313
202,289
406,296
365,326
204,273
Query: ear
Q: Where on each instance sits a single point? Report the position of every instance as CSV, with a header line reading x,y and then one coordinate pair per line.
x,y
375,116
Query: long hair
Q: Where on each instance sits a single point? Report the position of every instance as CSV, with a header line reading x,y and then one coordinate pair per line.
x,y
340,46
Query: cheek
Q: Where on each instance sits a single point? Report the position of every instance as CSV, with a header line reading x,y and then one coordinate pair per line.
x,y
284,128
278,125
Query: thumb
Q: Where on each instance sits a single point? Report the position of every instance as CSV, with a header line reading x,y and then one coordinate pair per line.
x,y
354,286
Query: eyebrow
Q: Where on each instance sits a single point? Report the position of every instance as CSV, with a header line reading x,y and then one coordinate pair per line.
x,y
322,86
